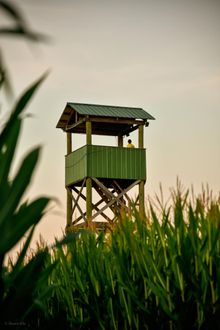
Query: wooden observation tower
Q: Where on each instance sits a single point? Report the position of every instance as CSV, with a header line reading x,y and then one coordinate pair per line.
x,y
110,171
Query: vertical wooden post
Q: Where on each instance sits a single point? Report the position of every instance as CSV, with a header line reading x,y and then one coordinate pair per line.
x,y
141,136
88,199
88,179
88,132
69,193
141,184
120,141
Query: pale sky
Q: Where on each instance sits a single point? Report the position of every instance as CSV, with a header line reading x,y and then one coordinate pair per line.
x,y
163,56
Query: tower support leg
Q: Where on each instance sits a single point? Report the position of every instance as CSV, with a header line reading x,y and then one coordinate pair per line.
x,y
88,199
68,191
69,207
141,199
141,184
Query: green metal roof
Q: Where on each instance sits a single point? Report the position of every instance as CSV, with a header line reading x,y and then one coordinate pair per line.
x,y
106,119
109,111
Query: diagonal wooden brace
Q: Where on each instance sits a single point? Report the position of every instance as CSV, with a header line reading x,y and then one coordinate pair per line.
x,y
114,198
119,187
79,193
79,208
95,206
110,195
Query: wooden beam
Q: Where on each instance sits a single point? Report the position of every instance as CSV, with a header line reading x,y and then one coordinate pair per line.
x,y
70,127
141,199
108,193
68,207
77,199
115,199
101,185
136,200
88,132
68,143
88,199
100,130
88,179
141,184
141,136
84,198
70,115
116,121
79,208
130,130
95,206
69,193
98,225
119,187
120,140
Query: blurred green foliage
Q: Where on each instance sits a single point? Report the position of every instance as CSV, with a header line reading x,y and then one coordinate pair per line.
x,y
24,284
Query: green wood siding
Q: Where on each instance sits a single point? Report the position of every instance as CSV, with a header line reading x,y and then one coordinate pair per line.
x,y
105,162
76,168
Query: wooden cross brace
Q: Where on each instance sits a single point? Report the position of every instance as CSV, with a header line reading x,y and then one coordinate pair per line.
x,y
115,203
114,199
95,206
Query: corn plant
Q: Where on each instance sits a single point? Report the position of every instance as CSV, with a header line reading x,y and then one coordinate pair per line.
x,y
157,273
23,286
